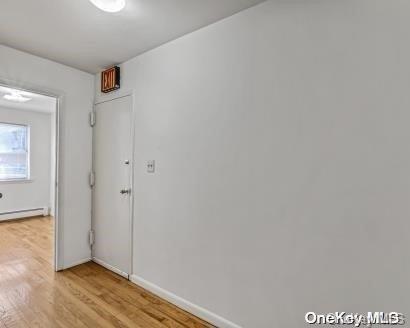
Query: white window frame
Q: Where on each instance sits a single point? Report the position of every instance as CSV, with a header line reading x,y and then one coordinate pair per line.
x,y
27,178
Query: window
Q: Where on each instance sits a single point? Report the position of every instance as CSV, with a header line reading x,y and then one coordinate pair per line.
x,y
14,152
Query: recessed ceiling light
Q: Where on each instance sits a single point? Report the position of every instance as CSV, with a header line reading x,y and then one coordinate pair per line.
x,y
111,6
16,97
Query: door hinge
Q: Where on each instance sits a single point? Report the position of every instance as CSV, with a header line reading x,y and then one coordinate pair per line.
x,y
92,118
91,237
91,179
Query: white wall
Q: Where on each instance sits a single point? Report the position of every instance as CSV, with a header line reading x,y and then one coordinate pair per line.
x,y
36,192
281,140
76,90
53,162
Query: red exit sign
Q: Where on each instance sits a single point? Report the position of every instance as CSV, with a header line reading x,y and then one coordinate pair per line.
x,y
110,79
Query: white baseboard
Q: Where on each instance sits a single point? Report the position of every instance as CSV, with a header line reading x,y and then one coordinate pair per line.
x,y
73,264
21,214
110,267
196,310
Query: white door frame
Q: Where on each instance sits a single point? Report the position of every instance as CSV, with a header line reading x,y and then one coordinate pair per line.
x,y
58,225
132,152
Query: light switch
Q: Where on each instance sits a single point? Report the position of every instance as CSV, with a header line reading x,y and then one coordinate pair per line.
x,y
151,166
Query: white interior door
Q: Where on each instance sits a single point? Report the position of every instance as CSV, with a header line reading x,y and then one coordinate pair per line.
x,y
112,198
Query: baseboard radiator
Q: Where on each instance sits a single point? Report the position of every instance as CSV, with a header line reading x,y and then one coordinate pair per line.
x,y
19,214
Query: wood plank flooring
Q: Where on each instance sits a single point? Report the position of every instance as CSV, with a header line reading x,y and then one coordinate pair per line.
x,y
33,295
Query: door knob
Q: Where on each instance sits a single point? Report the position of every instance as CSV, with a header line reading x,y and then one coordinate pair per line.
x,y
125,191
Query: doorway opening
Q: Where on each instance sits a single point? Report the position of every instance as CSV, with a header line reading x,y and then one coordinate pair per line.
x,y
28,180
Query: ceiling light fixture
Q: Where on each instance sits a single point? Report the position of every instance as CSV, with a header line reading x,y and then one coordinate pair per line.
x,y
111,6
16,97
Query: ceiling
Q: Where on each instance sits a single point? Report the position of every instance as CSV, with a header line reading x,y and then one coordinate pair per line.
x,y
76,33
37,103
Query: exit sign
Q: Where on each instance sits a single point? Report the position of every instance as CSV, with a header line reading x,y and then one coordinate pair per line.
x,y
110,79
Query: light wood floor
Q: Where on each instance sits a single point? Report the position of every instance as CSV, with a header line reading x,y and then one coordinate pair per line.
x,y
33,295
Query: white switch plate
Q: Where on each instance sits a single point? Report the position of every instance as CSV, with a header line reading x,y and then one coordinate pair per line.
x,y
151,166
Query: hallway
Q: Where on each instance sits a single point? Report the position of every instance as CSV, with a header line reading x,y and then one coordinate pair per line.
x,y
33,295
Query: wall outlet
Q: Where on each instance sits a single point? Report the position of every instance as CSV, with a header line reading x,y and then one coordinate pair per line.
x,y
151,166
